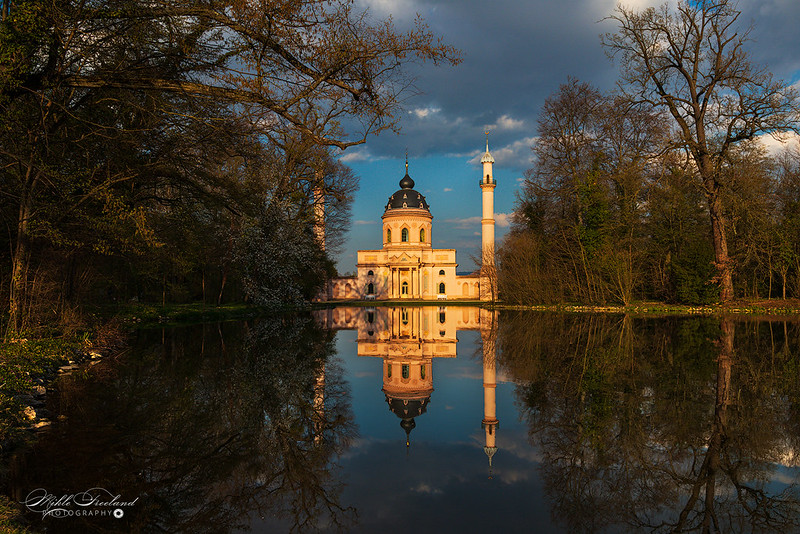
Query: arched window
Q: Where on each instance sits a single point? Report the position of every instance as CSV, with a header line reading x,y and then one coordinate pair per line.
x,y
389,370
370,316
441,272
404,288
405,370
404,316
370,273
388,235
404,235
422,235
441,288
371,289
442,317
422,371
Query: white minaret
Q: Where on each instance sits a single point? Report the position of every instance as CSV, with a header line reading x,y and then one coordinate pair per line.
x,y
488,273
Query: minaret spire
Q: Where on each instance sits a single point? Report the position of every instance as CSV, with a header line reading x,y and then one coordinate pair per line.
x,y
488,272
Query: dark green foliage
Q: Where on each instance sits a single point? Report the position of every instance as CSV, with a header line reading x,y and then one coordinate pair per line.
x,y
594,218
280,261
692,275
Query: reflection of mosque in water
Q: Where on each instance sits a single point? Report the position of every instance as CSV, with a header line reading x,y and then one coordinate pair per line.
x,y
408,339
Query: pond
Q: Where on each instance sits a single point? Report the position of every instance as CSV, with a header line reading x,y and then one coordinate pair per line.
x,y
428,419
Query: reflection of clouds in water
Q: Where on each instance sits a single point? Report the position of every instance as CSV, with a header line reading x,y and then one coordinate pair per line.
x,y
513,443
512,476
358,446
365,374
425,488
786,476
505,378
450,478
462,373
520,448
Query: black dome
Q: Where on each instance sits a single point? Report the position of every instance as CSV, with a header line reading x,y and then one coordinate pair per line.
x,y
407,182
407,408
407,197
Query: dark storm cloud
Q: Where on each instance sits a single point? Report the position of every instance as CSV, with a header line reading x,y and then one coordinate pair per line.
x,y
775,39
518,53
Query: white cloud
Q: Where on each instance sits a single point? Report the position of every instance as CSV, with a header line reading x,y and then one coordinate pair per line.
x,y
448,189
517,154
780,141
422,113
360,154
425,488
505,123
465,222
606,7
500,219
397,9
359,223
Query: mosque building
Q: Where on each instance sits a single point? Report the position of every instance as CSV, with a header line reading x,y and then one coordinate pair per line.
x,y
407,266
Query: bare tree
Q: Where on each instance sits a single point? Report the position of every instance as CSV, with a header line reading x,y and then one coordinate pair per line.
x,y
693,63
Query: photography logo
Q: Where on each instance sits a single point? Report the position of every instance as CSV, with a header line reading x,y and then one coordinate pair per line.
x,y
94,502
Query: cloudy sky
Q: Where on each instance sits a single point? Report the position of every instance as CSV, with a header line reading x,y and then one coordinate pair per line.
x,y
515,54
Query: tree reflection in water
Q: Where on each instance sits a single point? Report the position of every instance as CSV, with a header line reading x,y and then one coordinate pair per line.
x,y
667,425
211,427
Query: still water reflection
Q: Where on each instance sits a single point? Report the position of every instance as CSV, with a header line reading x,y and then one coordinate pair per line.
x,y
434,419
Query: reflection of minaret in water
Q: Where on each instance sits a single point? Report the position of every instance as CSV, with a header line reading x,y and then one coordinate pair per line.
x,y
490,422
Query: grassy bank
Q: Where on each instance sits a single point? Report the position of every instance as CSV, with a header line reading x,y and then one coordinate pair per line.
x,y
138,314
26,367
774,307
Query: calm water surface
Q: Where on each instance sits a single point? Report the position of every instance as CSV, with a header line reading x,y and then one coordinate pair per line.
x,y
429,419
